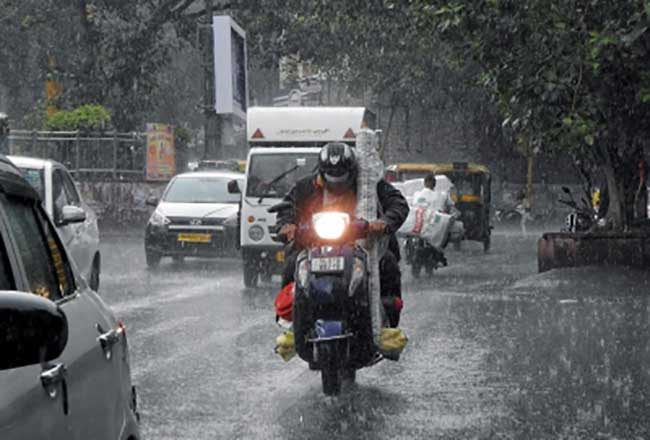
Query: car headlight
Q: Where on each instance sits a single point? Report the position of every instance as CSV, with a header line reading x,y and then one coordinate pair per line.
x,y
256,233
330,225
157,219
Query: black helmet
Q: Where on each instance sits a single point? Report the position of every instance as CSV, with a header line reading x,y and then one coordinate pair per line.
x,y
337,165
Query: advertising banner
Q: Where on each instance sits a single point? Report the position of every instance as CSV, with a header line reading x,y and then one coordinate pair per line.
x,y
230,67
161,157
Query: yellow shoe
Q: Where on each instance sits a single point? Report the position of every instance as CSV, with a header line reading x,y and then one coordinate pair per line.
x,y
393,341
286,346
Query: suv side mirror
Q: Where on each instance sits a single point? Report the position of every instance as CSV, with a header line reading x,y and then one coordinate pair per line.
x,y
152,201
33,330
72,214
233,187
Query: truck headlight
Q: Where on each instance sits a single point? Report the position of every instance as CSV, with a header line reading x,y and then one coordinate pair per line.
x,y
256,233
330,225
157,219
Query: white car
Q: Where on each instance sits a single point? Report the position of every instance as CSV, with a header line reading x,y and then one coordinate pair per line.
x,y
62,201
192,218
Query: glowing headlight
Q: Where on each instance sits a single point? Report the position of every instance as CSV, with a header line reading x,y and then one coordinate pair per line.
x,y
330,225
256,233
157,219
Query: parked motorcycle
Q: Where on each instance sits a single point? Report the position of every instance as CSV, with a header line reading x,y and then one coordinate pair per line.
x,y
332,320
421,254
584,216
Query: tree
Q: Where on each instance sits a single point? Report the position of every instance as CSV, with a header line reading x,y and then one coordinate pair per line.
x,y
569,77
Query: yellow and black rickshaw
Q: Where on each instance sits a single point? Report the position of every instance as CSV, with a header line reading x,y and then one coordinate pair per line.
x,y
472,195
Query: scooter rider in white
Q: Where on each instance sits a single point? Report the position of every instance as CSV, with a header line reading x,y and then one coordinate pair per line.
x,y
431,199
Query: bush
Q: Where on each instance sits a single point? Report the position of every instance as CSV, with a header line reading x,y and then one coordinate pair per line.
x,y
89,117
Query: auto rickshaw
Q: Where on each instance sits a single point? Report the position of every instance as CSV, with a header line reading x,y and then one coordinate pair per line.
x,y
401,172
472,198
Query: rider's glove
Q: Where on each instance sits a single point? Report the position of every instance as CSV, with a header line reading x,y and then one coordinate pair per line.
x,y
288,231
377,227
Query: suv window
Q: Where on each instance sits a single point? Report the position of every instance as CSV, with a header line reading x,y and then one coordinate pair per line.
x,y
46,266
70,189
6,275
59,195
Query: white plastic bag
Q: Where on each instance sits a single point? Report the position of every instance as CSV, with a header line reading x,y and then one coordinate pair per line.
x,y
432,226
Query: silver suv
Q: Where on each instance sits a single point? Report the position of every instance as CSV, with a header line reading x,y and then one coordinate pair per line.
x,y
64,362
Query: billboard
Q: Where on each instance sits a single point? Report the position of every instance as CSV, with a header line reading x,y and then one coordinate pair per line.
x,y
230,67
161,157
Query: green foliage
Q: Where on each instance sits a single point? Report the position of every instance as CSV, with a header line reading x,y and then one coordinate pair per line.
x,y
182,136
89,117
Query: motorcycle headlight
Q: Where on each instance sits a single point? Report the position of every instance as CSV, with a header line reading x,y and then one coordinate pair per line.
x,y
157,219
330,225
256,233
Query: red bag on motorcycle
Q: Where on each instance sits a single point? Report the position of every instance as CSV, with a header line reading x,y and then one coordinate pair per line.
x,y
284,302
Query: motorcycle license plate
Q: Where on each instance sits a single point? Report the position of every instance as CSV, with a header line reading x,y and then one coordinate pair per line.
x,y
327,264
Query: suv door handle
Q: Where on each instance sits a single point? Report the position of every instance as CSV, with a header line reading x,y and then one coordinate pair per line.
x,y
50,378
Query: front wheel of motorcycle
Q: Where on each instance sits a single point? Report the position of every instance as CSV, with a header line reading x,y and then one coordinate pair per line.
x,y
331,378
415,269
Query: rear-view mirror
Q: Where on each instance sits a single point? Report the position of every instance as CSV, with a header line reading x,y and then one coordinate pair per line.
x,y
72,214
33,330
152,201
233,187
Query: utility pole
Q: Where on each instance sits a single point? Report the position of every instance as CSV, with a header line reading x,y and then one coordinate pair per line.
x,y
212,124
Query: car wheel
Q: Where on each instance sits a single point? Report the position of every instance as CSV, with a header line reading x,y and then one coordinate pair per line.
x,y
250,274
153,259
486,244
94,275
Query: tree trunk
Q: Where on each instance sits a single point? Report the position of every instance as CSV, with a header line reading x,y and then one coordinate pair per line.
x,y
615,210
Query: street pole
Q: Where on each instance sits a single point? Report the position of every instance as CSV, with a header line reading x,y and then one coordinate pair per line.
x,y
212,124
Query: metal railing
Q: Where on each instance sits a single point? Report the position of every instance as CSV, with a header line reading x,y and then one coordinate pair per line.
x,y
89,156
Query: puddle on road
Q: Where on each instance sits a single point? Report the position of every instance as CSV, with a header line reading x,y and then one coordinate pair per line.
x,y
572,348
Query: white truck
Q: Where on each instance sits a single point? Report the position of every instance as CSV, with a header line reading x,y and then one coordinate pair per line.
x,y
284,145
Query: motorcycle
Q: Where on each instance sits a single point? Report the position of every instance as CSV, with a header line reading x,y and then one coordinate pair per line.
x,y
421,254
332,321
584,216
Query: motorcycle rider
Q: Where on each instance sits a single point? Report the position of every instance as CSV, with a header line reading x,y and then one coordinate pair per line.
x,y
334,186
441,201
429,198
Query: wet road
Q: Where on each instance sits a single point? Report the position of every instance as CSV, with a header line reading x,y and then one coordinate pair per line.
x,y
496,351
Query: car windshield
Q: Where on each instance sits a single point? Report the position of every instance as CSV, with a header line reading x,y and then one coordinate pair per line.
x,y
265,169
35,178
200,190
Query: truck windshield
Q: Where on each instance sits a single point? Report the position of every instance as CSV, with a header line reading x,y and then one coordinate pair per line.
x,y
264,169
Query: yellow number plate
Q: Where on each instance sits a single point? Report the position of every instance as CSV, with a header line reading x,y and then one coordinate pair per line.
x,y
195,238
279,256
